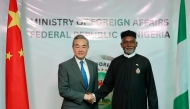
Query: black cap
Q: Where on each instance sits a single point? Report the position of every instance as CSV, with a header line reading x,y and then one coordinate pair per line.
x,y
128,33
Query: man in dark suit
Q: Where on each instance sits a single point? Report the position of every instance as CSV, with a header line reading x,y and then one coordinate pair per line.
x,y
78,76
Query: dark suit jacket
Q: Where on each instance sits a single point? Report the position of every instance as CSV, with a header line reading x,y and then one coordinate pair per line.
x,y
71,84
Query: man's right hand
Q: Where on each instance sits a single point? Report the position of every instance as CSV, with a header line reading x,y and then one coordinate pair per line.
x,y
89,98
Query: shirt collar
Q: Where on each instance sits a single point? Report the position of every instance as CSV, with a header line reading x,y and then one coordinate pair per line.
x,y
78,60
129,56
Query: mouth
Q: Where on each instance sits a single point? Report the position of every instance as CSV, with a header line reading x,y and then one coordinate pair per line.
x,y
80,53
128,49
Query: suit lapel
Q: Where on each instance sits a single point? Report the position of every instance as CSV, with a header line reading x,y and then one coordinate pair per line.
x,y
77,71
90,68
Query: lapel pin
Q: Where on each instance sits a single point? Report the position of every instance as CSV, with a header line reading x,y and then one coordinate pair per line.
x,y
137,70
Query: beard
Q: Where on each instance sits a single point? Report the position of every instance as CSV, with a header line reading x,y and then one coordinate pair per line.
x,y
129,50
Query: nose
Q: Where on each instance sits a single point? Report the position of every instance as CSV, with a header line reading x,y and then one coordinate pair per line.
x,y
80,49
128,44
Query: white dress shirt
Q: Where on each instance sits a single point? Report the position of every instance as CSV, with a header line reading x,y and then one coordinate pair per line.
x,y
85,67
129,56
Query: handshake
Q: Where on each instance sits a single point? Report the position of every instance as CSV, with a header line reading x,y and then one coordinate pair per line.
x,y
90,98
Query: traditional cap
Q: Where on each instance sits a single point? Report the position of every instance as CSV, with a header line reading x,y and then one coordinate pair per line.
x,y
128,33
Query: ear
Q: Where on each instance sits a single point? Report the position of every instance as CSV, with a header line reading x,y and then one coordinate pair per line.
x,y
136,44
121,44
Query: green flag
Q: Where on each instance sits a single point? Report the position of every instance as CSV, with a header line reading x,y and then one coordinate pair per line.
x,y
181,100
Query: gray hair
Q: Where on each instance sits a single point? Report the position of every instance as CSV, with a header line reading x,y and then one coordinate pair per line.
x,y
80,37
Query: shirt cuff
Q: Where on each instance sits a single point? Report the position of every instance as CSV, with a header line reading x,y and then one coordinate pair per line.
x,y
94,97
